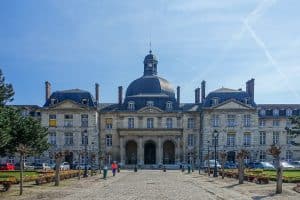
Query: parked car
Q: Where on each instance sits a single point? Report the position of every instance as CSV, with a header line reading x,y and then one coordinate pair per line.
x,y
43,166
26,166
64,166
82,166
7,166
230,165
260,165
211,164
295,163
286,165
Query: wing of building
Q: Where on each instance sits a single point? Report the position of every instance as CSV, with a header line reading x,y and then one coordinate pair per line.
x,y
149,126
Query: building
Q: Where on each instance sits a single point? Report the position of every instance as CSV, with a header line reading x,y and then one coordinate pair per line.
x,y
149,125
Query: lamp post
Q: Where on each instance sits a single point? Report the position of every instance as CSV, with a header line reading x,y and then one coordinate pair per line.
x,y
215,135
208,159
85,153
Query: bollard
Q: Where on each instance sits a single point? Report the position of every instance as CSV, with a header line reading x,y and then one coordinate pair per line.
x,y
182,169
105,172
135,168
118,169
164,169
189,169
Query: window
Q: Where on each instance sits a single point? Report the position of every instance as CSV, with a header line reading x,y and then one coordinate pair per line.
x,y
68,121
150,103
131,105
247,139
262,122
191,140
84,120
289,156
52,120
231,120
262,138
276,112
85,101
52,138
108,140
149,122
288,123
215,101
130,122
108,123
84,138
246,120
289,138
11,159
37,159
288,112
231,139
247,101
191,123
275,137
169,105
262,112
215,120
169,123
262,156
276,122
68,138
53,101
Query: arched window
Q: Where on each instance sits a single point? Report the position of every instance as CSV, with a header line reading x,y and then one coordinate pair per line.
x,y
262,112
288,112
53,101
131,105
169,105
215,101
84,101
275,112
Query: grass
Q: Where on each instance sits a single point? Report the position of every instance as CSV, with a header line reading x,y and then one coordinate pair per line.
x,y
16,174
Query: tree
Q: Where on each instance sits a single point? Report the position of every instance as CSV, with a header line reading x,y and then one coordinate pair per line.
x,y
223,156
294,130
275,152
6,91
240,157
27,138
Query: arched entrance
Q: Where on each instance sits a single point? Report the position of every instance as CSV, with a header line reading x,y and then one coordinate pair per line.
x,y
131,153
168,152
69,157
149,153
231,156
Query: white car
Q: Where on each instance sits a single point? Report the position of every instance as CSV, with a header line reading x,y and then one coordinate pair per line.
x,y
286,165
64,166
211,164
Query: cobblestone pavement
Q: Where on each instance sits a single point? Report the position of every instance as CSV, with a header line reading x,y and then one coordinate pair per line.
x,y
157,185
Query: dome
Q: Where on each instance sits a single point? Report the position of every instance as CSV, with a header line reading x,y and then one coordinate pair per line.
x,y
150,86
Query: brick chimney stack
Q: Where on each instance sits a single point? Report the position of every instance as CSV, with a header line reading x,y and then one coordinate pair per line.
x,y
202,91
47,90
178,95
197,95
250,88
97,92
120,95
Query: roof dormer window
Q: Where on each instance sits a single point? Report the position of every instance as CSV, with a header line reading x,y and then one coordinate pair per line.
x,y
84,101
169,105
215,101
288,112
53,101
131,105
247,101
276,112
150,103
262,112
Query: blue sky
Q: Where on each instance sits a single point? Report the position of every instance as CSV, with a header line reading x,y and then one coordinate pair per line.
x,y
74,44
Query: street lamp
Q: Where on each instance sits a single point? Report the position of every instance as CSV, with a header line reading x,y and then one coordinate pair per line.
x,y
215,135
208,159
85,135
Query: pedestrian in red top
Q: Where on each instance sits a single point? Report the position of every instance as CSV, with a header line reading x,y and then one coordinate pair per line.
x,y
114,167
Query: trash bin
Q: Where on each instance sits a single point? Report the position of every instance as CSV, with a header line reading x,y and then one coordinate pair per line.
x,y
105,172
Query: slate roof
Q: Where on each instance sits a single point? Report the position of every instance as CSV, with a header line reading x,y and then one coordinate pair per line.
x,y
282,108
75,95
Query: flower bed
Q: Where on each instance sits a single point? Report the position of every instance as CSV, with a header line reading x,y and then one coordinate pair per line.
x,y
50,177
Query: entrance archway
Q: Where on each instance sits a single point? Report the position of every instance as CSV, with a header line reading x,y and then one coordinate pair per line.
x,y
168,152
149,153
131,153
231,156
69,157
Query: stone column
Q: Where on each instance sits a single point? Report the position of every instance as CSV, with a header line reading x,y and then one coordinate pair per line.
x,y
160,152
141,151
122,150
177,150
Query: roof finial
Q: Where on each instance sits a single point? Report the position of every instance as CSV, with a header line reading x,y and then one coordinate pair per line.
x,y
150,51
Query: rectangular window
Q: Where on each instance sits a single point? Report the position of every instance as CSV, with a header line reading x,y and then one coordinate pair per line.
x,y
68,138
130,122
262,138
247,120
191,123
11,159
52,120
68,122
84,120
231,120
247,139
262,122
84,138
289,138
289,156
231,139
191,140
215,120
276,122
108,123
169,123
108,140
275,137
262,156
52,138
149,122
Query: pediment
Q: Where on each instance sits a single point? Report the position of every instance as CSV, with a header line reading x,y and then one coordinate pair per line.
x,y
150,109
67,104
232,104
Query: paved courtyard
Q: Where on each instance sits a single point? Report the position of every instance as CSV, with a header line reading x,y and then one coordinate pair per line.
x,y
157,185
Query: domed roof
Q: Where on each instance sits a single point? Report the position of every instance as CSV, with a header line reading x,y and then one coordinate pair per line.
x,y
150,86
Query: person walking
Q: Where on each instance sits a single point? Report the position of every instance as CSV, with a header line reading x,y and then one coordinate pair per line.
x,y
114,168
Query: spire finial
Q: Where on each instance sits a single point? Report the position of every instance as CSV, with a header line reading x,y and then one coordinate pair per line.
x,y
150,51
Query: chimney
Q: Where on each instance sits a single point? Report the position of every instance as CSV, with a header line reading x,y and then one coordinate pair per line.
x,y
120,95
197,95
250,88
97,92
178,95
202,91
47,90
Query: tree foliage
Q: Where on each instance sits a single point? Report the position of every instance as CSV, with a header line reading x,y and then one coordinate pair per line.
x,y
294,130
6,91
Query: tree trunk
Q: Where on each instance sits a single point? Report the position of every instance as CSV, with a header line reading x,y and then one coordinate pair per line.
x,y
223,170
279,177
79,166
21,172
57,165
241,171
